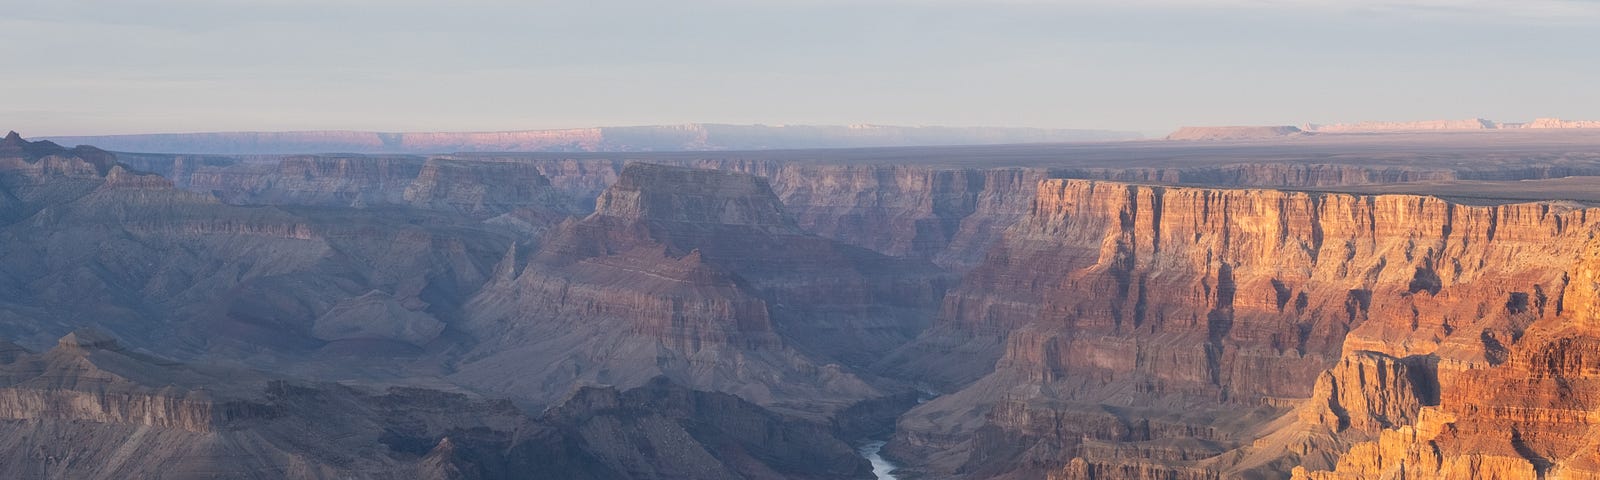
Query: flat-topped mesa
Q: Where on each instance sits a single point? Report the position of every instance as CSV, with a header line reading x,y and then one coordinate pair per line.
x,y
1235,133
663,193
1556,123
1411,126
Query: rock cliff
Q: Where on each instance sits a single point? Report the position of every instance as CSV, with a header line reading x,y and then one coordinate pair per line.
x,y
481,189
698,275
342,180
1213,310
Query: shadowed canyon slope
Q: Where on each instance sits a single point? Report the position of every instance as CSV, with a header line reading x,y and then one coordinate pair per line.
x,y
699,275
1146,310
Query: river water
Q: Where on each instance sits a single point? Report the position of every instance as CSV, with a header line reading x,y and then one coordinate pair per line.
x,y
880,468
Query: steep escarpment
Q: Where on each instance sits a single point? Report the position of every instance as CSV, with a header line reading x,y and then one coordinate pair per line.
x,y
948,215
1127,328
698,275
1277,175
340,180
481,188
1524,410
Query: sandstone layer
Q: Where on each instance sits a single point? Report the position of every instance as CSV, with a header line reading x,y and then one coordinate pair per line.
x,y
1155,329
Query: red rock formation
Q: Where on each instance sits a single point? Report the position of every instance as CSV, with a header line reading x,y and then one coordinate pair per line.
x,y
1224,305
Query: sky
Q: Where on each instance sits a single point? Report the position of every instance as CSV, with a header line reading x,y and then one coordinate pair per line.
x,y
80,67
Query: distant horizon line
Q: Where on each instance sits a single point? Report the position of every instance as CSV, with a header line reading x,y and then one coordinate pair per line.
x,y
1143,133
852,126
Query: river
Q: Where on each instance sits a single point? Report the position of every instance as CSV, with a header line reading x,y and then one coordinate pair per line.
x,y
880,468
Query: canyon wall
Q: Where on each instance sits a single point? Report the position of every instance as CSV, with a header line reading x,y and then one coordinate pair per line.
x,y
703,277
1175,322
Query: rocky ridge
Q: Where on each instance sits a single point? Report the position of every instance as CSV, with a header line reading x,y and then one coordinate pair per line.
x,y
701,276
91,408
1262,293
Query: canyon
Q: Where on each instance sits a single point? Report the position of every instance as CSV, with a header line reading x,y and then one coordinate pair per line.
x,y
1251,302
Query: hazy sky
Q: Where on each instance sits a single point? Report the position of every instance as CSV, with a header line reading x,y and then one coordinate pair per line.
x,y
135,66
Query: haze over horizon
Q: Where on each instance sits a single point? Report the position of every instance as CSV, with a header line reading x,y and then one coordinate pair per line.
x,y
155,66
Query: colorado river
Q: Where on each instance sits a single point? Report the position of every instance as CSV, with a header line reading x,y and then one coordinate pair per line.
x,y
880,468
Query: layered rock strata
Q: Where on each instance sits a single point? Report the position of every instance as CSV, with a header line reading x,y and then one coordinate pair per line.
x,y
91,408
701,276
1175,323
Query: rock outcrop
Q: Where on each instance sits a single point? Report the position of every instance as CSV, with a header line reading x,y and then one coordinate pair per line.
x,y
91,408
194,277
1116,305
704,434
343,180
481,188
698,275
